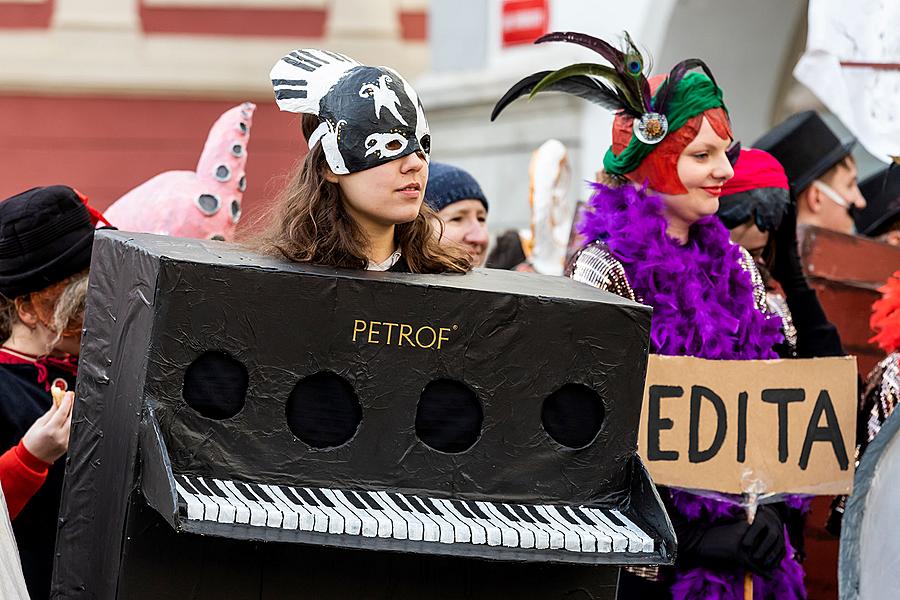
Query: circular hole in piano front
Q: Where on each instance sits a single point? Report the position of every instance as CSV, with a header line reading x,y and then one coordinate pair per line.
x,y
573,415
215,385
449,416
323,410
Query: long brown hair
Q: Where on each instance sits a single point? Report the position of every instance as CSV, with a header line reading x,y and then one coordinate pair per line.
x,y
309,223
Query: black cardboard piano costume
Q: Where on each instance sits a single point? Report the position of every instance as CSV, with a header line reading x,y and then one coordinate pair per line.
x,y
252,428
172,486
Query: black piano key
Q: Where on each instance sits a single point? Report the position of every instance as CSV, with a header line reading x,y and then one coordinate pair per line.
x,y
182,509
354,500
430,504
417,505
189,486
585,520
400,502
244,491
306,496
562,512
461,509
210,489
522,513
534,512
476,510
612,517
322,498
262,493
369,499
504,510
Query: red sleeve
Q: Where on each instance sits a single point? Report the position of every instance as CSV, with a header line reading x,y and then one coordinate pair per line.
x,y
21,475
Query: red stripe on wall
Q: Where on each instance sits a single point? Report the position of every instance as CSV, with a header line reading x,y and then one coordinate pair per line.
x,y
107,146
26,16
414,25
308,23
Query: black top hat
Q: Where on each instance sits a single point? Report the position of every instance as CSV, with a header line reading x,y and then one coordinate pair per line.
x,y
805,146
882,193
45,236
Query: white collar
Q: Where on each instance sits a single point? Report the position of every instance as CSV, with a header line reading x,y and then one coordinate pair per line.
x,y
386,264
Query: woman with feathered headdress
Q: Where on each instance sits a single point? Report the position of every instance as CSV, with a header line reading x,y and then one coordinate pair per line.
x,y
655,238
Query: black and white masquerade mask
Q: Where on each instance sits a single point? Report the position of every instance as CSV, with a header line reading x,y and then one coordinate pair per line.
x,y
368,115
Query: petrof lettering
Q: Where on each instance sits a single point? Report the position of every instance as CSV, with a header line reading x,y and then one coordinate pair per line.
x,y
400,334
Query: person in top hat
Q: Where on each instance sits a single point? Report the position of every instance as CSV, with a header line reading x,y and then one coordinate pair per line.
x,y
820,169
881,218
46,235
461,209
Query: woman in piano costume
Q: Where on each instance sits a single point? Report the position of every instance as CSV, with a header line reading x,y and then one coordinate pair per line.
x,y
46,235
655,239
356,200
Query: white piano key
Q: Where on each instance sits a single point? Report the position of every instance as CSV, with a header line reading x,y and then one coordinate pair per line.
x,y
462,533
274,516
258,515
596,539
210,508
288,516
477,532
646,541
194,506
496,531
431,532
557,536
306,520
620,541
357,522
541,537
520,538
493,533
227,512
398,527
335,519
376,510
573,537
242,510
414,527
445,527
320,518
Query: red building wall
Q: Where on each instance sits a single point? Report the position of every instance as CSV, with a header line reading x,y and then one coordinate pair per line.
x,y
106,146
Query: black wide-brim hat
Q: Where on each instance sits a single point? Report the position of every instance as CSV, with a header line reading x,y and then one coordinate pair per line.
x,y
46,235
806,148
882,193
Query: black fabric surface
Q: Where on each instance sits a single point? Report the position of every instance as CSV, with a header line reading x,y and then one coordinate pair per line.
x,y
22,401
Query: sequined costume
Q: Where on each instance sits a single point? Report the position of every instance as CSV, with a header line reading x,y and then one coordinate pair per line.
x,y
880,396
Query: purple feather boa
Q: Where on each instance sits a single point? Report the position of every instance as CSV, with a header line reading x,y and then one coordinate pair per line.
x,y
703,305
702,298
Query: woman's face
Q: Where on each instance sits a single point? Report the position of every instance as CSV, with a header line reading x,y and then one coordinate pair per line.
x,y
750,237
388,194
702,167
465,226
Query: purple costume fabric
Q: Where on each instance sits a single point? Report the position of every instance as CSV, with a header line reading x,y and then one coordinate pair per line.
x,y
703,305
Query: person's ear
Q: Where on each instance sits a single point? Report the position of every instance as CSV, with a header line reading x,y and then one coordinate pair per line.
x,y
811,198
329,175
26,313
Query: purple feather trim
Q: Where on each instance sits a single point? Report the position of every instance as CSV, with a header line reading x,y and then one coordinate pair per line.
x,y
701,296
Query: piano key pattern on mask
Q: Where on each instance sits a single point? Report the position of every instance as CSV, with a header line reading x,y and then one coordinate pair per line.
x,y
391,515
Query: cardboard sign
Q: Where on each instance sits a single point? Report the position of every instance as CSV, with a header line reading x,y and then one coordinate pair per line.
x,y
524,21
767,426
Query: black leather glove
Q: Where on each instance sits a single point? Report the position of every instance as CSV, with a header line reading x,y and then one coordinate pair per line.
x,y
763,545
787,268
759,547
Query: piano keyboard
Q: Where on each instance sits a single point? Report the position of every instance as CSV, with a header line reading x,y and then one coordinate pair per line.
x,y
398,516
